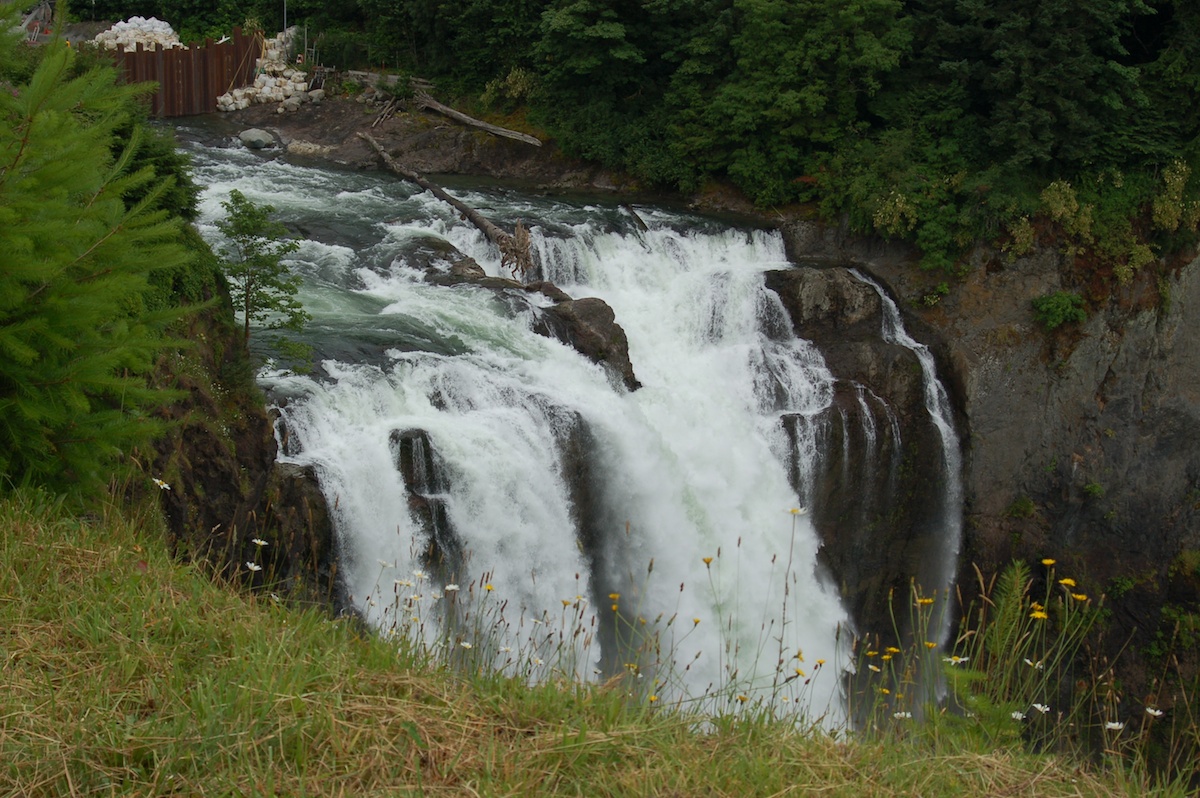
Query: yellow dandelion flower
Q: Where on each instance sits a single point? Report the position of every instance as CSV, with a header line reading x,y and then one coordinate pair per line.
x,y
924,602
892,650
800,672
872,653
1035,606
653,698
708,560
566,602
874,668
695,621
820,662
1039,615
930,644
1067,582
1048,562
488,587
614,596
743,698
886,657
614,608
885,691
1079,596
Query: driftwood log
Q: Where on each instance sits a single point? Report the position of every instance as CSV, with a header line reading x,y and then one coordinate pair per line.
x,y
514,247
423,100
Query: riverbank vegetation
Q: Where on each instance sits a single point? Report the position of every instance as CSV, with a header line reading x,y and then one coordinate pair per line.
x,y
126,672
940,123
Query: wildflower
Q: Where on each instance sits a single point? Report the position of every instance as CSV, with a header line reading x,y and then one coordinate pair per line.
x,y
930,644
1048,562
743,698
258,542
1035,665
1017,715
537,660
799,672
465,644
653,698
566,602
874,668
1067,582
872,653
1041,708
403,583
799,511
886,657
614,596
419,574
892,650
708,561
253,566
956,660
451,588
1039,615
1154,712
1079,596
800,654
161,485
924,602
1114,725
884,691
488,587
505,649
695,621
902,715
820,662
385,564
1035,606
614,608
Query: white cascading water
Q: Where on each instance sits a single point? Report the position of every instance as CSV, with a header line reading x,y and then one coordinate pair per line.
x,y
945,563
689,473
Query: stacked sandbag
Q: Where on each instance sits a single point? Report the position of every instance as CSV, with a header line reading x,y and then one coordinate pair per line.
x,y
129,34
277,81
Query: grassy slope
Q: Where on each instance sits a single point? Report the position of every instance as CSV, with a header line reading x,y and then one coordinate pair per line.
x,y
123,672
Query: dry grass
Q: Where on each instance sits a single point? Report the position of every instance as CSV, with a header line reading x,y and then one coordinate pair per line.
x,y
124,673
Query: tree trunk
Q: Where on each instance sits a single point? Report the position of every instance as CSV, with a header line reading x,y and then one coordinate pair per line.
x,y
514,248
425,101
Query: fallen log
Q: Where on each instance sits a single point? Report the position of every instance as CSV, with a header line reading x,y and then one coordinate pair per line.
x,y
514,248
425,101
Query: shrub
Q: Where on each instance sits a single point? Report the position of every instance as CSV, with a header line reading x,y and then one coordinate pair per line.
x,y
1055,310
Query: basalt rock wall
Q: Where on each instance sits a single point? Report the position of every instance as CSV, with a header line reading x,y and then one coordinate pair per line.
x,y
1081,444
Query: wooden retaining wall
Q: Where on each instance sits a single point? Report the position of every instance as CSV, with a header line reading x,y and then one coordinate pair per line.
x,y
190,81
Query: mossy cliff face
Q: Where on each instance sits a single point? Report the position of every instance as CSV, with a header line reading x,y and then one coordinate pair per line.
x,y
226,489
1081,445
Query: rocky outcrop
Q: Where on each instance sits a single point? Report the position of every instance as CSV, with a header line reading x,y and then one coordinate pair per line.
x,y
590,327
226,489
876,493
1081,444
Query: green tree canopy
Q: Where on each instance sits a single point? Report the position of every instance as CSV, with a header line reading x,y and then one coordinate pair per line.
x,y
262,287
79,253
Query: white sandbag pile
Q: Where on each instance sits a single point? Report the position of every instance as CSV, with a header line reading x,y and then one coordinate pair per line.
x,y
276,82
129,34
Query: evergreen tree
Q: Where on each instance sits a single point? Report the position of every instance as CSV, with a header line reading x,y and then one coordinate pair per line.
x,y
75,337
260,284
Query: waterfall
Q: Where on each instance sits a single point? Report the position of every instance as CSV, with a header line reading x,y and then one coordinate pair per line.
x,y
942,564
500,500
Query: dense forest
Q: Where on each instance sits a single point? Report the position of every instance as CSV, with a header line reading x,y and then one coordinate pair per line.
x,y
943,122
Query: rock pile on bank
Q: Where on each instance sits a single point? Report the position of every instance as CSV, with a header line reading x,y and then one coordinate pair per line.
x,y
277,81
129,34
